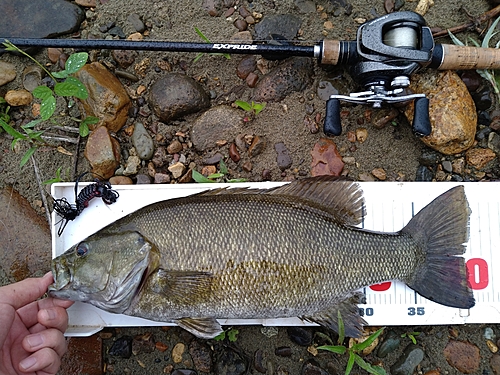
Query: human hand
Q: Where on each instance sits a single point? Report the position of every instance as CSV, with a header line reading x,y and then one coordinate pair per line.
x,y
31,331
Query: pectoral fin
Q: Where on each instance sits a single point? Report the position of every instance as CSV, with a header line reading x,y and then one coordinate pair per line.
x,y
349,311
183,287
205,328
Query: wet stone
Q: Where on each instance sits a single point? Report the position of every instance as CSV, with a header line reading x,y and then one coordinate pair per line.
x,y
283,156
447,166
233,153
283,351
136,22
17,98
291,75
495,364
53,18
300,336
103,152
258,145
214,159
428,158
311,367
142,141
391,343
479,157
423,174
230,363
142,179
7,72
177,169
285,25
259,359
177,352
161,178
117,31
221,122
132,166
494,142
252,79
472,79
107,99
483,99
247,65
200,353
160,157
124,58
144,343
463,356
326,159
121,180
122,347
407,363
176,95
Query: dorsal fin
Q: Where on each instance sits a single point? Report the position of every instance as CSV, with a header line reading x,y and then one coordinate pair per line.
x,y
340,197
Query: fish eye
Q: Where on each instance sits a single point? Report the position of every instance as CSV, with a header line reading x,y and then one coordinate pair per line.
x,y
82,249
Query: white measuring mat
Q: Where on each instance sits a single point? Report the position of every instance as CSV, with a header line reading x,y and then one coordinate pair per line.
x,y
389,207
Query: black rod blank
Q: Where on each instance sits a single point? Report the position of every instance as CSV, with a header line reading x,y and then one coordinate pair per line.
x,y
231,48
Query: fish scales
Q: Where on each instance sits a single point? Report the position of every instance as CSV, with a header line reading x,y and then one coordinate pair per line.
x,y
230,255
266,244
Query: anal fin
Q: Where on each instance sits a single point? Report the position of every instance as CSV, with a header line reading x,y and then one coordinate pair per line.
x,y
205,328
349,311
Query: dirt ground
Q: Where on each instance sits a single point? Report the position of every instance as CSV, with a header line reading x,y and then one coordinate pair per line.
x,y
393,148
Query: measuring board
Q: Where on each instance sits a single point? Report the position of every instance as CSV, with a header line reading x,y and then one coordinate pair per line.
x,y
389,207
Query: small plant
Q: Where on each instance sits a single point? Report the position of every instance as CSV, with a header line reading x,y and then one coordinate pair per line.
x,y
253,108
230,334
206,40
488,75
67,88
411,336
353,351
58,177
4,110
216,177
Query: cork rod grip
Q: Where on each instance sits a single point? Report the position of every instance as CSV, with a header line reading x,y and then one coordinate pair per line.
x,y
462,57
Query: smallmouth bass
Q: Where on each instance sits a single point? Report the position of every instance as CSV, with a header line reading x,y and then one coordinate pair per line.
x,y
282,252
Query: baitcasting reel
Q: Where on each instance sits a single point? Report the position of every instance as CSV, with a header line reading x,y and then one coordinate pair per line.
x,y
389,49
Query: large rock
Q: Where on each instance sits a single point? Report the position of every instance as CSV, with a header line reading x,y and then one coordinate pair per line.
x,y
39,19
285,25
103,153
291,75
177,95
221,122
451,110
107,99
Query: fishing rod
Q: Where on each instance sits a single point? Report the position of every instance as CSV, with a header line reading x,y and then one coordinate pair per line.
x,y
386,52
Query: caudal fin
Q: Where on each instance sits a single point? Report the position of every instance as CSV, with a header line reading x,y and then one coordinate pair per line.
x,y
442,229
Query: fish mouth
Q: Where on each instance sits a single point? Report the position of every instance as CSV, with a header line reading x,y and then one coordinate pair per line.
x,y
63,277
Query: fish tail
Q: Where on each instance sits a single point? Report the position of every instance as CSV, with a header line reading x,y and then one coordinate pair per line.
x,y
441,230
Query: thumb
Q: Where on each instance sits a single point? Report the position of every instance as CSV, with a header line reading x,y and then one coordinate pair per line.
x,y
23,292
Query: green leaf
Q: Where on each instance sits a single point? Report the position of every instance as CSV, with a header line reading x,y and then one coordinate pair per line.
x,y
243,105
363,345
376,370
237,180
202,36
223,167
198,177
32,124
221,336
76,61
27,156
47,108
10,130
71,87
258,107
55,179
42,92
350,363
338,349
83,130
61,74
2,100
89,120
455,40
231,334
214,176
9,46
198,56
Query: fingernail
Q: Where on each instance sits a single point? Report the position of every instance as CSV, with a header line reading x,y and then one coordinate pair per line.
x,y
49,314
34,340
27,363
